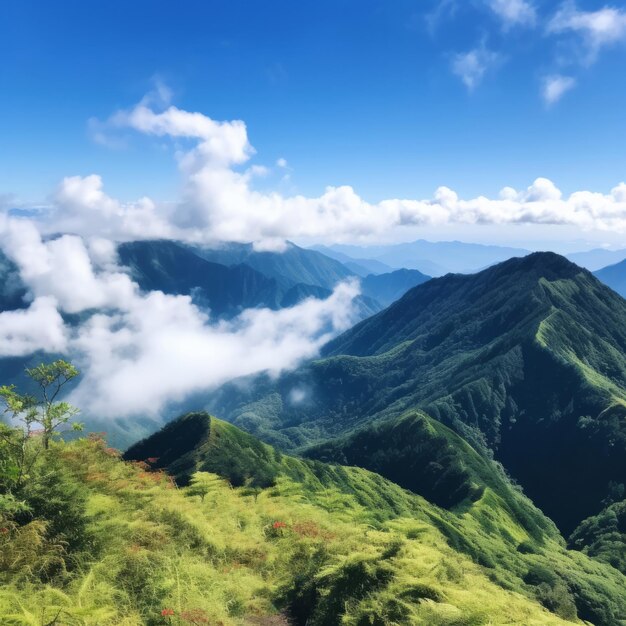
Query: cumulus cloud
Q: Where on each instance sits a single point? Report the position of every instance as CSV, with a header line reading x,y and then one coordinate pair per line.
x,y
163,348
220,203
82,206
140,351
597,29
62,269
472,66
39,327
514,12
555,87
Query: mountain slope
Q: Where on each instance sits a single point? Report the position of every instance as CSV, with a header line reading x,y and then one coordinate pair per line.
x,y
387,288
289,267
363,267
498,528
12,290
525,359
173,268
614,276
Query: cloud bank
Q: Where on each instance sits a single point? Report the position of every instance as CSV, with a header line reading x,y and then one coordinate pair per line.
x,y
141,351
219,201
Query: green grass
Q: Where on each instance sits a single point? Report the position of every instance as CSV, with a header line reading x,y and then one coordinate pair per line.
x,y
221,561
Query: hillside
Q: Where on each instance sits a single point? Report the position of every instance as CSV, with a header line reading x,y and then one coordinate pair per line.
x,y
525,359
495,526
289,267
259,537
389,287
173,268
614,276
363,267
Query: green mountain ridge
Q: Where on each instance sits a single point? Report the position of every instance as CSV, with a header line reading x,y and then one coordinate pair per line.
x,y
525,359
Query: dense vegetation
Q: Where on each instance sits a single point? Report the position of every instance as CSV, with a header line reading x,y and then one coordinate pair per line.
x,y
603,536
90,539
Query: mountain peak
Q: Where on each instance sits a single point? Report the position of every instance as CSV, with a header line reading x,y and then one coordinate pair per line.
x,y
548,264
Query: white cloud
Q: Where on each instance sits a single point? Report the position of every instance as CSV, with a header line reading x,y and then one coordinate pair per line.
x,y
514,12
598,29
62,269
219,201
163,348
555,87
282,163
141,351
83,207
472,66
39,327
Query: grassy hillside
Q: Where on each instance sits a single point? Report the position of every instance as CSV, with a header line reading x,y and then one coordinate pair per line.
x,y
110,542
525,360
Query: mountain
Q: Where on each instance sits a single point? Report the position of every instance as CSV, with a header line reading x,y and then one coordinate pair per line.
x,y
362,267
175,269
524,360
434,258
482,528
614,276
486,524
289,267
387,288
226,290
240,533
597,259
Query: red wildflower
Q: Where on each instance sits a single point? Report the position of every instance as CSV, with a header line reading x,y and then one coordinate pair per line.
x,y
277,525
167,612
4,531
152,459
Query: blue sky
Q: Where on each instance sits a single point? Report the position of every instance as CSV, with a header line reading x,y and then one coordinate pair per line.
x,y
394,98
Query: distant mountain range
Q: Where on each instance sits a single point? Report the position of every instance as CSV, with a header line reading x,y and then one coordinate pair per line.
x,y
614,276
598,258
228,279
432,258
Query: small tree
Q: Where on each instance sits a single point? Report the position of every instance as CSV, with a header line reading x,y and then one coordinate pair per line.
x,y
202,483
44,411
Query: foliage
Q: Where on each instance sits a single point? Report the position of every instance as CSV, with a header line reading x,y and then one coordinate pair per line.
x,y
603,536
46,411
168,556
